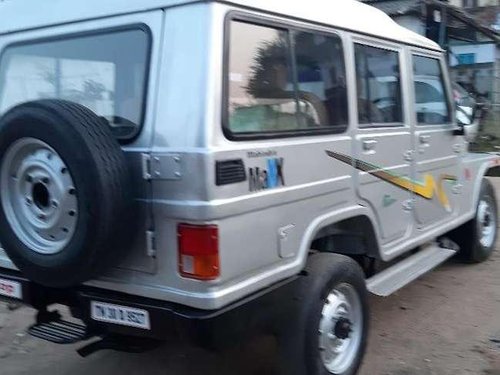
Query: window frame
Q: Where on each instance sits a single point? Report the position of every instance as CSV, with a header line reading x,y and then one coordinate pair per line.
x,y
263,21
138,26
467,4
400,51
446,87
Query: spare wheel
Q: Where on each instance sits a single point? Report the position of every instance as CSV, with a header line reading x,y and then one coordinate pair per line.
x,y
64,190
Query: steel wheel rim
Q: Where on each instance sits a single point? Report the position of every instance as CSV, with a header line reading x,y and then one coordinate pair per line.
x,y
38,196
342,306
486,220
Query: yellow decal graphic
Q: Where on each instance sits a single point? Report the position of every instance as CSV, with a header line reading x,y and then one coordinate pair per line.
x,y
426,189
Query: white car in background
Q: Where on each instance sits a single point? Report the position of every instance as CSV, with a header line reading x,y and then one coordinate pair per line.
x,y
430,104
429,99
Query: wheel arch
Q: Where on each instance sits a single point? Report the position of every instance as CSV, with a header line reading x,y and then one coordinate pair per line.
x,y
489,168
337,224
352,236
493,171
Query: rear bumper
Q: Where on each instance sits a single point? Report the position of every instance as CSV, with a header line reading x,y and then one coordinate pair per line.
x,y
212,329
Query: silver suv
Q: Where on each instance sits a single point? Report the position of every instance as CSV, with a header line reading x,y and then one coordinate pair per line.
x,y
221,168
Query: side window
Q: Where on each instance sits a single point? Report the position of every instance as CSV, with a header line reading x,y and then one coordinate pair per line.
x,y
104,72
322,90
261,89
426,93
272,90
430,95
378,86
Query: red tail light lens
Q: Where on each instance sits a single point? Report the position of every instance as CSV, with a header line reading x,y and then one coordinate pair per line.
x,y
198,251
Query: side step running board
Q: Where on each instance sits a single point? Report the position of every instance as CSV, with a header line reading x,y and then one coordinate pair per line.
x,y
59,332
51,327
397,276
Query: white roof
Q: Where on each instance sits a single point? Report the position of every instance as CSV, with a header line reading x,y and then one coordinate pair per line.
x,y
16,15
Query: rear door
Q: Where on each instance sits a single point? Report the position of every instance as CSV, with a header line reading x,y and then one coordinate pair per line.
x,y
437,156
383,141
109,66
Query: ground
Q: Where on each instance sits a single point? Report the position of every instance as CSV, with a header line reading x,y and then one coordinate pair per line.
x,y
447,322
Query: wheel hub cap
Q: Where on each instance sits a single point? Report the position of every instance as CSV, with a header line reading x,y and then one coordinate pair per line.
x,y
38,196
340,329
486,221
343,328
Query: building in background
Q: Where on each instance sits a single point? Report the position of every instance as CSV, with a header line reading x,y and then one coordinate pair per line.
x,y
469,30
475,63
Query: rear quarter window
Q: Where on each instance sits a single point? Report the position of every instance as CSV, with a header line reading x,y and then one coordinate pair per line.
x,y
105,72
283,82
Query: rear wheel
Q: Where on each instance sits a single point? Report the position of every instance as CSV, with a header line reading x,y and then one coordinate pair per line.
x,y
328,332
477,237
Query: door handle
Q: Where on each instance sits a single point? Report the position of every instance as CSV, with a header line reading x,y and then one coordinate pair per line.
x,y
369,144
408,155
424,139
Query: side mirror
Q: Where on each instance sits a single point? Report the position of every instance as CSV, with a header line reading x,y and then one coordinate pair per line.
x,y
468,119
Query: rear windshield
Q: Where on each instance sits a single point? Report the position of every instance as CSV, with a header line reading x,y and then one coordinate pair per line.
x,y
104,72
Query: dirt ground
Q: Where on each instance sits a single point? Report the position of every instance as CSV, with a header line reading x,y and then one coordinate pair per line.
x,y
448,322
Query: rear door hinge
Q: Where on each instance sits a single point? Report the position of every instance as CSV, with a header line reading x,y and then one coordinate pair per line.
x,y
166,166
151,243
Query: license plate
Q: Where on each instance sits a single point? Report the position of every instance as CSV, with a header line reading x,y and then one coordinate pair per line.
x,y
12,289
122,315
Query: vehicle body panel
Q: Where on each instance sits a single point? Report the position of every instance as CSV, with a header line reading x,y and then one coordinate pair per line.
x,y
265,234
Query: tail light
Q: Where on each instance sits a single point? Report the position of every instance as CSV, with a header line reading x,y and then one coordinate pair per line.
x,y
198,251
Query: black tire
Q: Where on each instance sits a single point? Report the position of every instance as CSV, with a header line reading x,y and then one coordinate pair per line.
x,y
97,166
468,235
299,339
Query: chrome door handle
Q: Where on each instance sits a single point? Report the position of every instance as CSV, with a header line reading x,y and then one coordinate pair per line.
x,y
369,144
424,139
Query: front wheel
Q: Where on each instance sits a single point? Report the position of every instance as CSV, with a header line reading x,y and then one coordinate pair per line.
x,y
477,237
328,332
